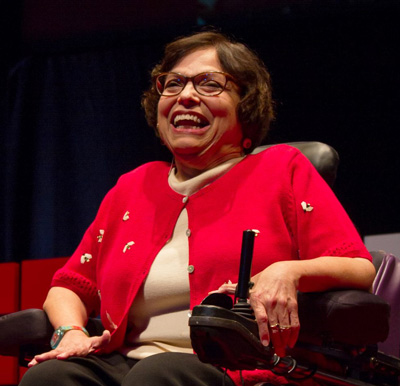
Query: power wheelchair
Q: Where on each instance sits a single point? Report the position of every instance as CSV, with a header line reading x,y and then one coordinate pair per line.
x,y
347,337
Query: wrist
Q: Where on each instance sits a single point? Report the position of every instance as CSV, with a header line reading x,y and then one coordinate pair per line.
x,y
291,270
61,331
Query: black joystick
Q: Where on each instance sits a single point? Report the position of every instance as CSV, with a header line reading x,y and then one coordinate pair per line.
x,y
244,284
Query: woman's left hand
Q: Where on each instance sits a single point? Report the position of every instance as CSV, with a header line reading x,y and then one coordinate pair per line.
x,y
274,302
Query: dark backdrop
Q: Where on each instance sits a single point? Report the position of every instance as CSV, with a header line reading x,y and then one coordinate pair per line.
x,y
72,76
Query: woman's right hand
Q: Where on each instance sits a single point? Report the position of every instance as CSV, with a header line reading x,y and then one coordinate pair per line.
x,y
74,343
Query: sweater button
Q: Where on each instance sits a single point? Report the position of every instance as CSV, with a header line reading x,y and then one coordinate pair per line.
x,y
190,268
188,232
185,199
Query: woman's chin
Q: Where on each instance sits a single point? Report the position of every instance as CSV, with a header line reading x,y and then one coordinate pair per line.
x,y
187,146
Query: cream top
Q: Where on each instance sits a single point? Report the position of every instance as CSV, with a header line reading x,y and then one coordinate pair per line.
x,y
158,318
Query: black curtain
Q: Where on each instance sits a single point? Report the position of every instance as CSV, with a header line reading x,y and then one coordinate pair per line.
x,y
75,125
74,122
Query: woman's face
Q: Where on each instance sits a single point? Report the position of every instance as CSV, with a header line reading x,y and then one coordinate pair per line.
x,y
203,130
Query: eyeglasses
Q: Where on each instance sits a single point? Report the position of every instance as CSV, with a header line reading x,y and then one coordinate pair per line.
x,y
206,83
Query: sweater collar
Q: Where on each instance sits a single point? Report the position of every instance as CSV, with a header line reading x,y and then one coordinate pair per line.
x,y
204,179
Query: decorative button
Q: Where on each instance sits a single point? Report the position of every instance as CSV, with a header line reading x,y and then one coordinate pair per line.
x,y
100,236
128,246
126,216
190,268
188,232
306,206
184,199
85,258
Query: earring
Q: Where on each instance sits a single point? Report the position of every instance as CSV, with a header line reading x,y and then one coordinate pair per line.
x,y
246,143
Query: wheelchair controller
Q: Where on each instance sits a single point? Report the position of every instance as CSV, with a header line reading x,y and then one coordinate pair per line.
x,y
224,333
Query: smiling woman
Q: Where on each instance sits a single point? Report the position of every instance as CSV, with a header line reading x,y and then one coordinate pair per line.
x,y
242,68
210,103
214,135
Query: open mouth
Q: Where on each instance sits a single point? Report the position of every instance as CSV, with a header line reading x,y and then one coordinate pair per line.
x,y
189,121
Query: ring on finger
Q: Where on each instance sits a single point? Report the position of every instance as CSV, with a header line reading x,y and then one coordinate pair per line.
x,y
285,327
274,325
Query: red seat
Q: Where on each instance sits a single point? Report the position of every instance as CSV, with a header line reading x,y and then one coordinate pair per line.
x,y
9,302
36,277
23,286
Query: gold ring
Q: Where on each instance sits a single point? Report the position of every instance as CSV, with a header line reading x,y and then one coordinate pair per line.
x,y
285,327
275,325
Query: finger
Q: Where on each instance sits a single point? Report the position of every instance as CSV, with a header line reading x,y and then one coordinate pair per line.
x,y
75,352
287,311
106,337
101,341
278,340
282,333
64,355
290,325
226,288
32,363
295,330
44,356
261,316
278,317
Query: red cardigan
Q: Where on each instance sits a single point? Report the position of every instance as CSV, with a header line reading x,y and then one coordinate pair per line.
x,y
277,192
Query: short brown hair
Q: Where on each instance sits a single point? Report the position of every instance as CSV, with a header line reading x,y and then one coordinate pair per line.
x,y
256,107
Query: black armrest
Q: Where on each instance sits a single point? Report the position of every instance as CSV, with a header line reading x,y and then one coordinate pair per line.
x,y
32,328
347,316
21,328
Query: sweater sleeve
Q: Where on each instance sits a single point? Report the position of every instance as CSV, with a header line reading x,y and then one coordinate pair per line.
x,y
79,273
323,227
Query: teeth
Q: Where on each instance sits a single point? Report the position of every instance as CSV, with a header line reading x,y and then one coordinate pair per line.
x,y
186,117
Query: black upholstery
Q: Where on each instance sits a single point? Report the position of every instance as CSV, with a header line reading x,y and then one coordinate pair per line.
x,y
28,332
350,317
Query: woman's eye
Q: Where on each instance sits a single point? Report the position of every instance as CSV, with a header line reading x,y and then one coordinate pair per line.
x,y
173,83
210,84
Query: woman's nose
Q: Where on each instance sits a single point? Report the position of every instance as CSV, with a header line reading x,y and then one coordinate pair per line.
x,y
189,95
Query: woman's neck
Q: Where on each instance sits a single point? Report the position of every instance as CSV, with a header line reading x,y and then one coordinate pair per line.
x,y
187,169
